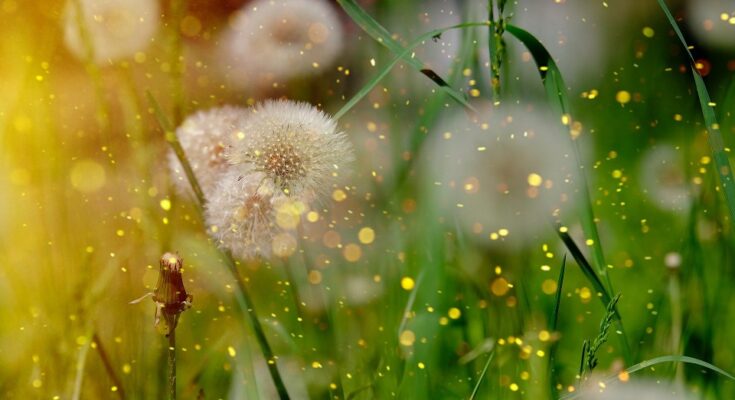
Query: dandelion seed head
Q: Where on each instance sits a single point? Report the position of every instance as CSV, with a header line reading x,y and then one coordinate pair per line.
x,y
712,22
204,137
272,40
295,146
663,179
116,28
240,214
597,388
507,192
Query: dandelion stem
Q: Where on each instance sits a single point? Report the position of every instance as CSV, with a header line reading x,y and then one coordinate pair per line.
x,y
246,304
172,140
178,9
172,364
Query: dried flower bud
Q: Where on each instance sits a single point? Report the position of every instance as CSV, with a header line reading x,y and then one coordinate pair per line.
x,y
170,289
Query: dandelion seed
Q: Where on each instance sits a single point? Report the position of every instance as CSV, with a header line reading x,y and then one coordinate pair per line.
x,y
117,28
204,137
272,40
295,146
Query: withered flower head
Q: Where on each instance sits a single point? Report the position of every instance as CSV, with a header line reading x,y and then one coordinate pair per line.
x,y
169,295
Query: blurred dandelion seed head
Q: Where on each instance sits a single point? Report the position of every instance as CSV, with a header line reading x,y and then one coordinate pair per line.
x,y
294,145
502,177
204,137
116,28
597,389
712,22
240,214
269,40
663,179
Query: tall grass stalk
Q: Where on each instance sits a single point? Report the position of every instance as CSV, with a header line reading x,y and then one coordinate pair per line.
x,y
716,142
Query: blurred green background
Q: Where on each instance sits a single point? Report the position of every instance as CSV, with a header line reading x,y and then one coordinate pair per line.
x,y
386,296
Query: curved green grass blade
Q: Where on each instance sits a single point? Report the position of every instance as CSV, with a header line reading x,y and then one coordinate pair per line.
x,y
717,146
400,56
556,91
660,360
382,36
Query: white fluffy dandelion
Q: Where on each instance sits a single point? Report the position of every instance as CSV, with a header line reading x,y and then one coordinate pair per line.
x,y
663,179
241,215
504,177
572,31
640,389
713,22
294,145
272,40
116,28
204,137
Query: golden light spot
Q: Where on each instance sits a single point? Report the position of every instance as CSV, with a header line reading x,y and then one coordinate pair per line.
x,y
165,204
499,286
421,365
190,26
284,244
471,185
315,277
312,216
288,215
231,351
503,232
544,336
648,32
585,294
366,235
126,368
352,252
316,365
617,174
87,176
407,338
549,286
407,283
454,313
339,195
622,97
535,179
624,376
331,239
514,387
563,229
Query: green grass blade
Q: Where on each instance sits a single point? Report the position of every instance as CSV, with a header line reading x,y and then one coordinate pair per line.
x,y
656,361
554,324
482,375
604,295
556,91
717,147
382,36
370,85
559,286
170,133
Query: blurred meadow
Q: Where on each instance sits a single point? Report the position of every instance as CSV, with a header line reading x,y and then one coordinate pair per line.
x,y
468,218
